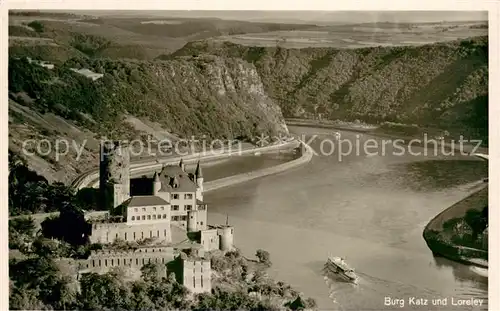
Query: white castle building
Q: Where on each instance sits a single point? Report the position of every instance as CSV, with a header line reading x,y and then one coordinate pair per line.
x,y
174,204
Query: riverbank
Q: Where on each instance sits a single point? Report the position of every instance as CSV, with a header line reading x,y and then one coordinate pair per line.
x,y
396,132
91,179
442,246
304,158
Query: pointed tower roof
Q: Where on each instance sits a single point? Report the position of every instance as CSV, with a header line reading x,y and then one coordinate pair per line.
x,y
175,182
198,173
156,177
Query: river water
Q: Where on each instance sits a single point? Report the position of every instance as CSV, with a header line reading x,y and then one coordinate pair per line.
x,y
369,209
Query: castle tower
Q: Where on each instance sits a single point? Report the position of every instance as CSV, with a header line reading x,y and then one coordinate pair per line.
x,y
182,166
192,219
198,175
156,184
226,238
114,174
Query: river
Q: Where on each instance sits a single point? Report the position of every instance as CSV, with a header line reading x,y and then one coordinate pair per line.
x,y
370,209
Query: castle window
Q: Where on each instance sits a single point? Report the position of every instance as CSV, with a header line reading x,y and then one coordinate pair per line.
x,y
154,217
175,196
149,260
184,217
116,236
159,216
188,196
188,207
231,231
194,281
135,210
163,260
150,234
165,232
158,233
163,208
142,235
93,263
154,208
202,280
136,261
105,262
143,261
201,223
112,262
143,209
99,262
133,218
164,216
175,207
149,217
125,236
143,217
134,235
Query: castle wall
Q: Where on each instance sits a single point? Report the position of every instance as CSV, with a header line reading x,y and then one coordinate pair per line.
x,y
209,239
180,204
103,261
197,275
109,232
142,215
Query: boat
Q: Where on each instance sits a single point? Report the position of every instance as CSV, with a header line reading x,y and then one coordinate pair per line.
x,y
338,266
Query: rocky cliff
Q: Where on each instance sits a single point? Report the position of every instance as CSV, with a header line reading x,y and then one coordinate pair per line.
x,y
443,85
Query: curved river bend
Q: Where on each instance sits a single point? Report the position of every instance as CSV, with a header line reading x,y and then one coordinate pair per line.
x,y
370,210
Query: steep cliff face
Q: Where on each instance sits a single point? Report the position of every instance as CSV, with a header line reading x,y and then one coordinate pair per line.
x,y
441,85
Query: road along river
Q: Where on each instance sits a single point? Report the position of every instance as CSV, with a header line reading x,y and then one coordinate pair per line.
x,y
370,209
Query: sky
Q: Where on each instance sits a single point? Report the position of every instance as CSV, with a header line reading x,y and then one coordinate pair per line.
x,y
333,17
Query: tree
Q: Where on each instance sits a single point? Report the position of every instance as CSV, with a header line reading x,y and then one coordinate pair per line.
x,y
150,272
263,257
106,291
476,221
37,26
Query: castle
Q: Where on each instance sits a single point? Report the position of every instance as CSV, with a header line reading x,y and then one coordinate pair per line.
x,y
170,223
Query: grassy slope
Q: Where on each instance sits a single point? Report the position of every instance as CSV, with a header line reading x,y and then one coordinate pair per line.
x,y
441,85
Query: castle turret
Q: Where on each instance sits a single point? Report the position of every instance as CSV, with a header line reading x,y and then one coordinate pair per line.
x,y
156,184
226,238
114,174
192,221
198,175
182,166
